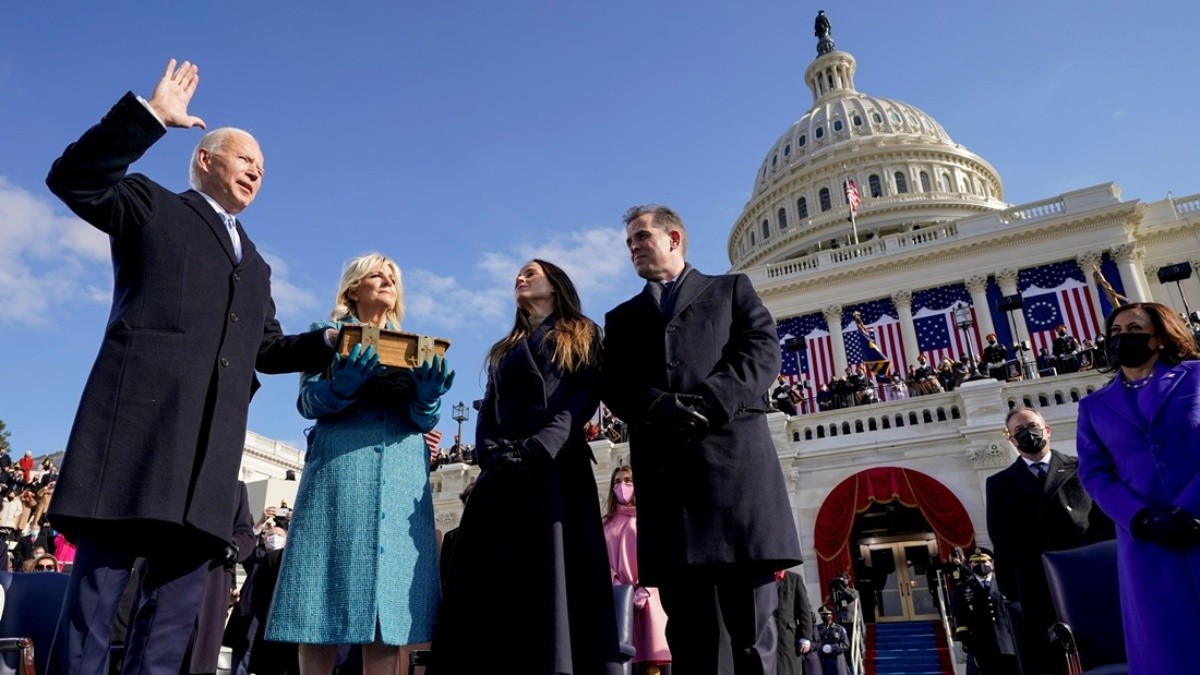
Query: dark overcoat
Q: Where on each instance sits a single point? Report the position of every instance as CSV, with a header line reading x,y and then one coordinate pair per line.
x,y
1128,461
793,620
529,588
1026,518
719,501
159,433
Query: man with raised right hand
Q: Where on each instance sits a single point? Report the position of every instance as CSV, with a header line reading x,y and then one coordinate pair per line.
x,y
158,436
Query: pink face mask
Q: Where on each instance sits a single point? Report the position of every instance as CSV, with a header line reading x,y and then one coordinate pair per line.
x,y
624,492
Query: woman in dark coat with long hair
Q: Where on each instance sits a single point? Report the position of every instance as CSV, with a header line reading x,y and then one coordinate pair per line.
x,y
528,590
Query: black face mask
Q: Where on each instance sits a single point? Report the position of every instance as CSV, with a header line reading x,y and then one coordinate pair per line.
x,y
982,569
1130,349
1030,440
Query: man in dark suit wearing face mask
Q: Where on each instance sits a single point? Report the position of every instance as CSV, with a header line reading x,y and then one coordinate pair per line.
x,y
1036,505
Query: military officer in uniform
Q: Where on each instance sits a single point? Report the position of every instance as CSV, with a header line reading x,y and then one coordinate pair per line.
x,y
995,358
833,643
1065,348
981,620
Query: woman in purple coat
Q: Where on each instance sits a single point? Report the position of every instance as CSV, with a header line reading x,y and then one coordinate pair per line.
x,y
1139,458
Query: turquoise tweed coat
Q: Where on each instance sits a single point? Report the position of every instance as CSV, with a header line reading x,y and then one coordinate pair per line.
x,y
361,547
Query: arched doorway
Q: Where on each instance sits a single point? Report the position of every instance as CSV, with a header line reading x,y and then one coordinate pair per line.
x,y
890,526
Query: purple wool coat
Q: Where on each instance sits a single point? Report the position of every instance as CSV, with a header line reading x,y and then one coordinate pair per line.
x,y
1128,462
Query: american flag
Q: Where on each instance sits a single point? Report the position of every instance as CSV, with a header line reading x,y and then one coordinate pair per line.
x,y
852,196
1057,294
814,363
432,440
938,337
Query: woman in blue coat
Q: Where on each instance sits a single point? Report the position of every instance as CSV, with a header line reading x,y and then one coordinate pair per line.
x,y
528,589
360,565
1139,458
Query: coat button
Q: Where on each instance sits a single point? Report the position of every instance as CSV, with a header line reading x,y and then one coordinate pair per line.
x,y
233,317
382,515
225,361
671,328
673,364
237,276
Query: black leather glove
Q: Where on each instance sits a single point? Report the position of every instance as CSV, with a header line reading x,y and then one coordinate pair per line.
x,y
679,413
507,454
1170,526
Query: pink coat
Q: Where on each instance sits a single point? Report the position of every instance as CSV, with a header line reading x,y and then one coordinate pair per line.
x,y
63,550
649,619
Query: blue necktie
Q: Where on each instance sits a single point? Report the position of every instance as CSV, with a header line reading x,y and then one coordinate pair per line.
x,y
231,225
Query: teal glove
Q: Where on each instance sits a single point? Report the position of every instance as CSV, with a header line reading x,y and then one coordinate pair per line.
x,y
351,372
432,380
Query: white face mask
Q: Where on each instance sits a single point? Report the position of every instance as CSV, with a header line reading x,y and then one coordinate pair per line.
x,y
275,542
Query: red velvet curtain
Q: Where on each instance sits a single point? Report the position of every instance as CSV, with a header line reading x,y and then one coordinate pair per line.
x,y
882,485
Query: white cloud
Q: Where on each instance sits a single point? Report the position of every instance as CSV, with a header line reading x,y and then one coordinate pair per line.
x,y
291,301
50,261
47,261
593,258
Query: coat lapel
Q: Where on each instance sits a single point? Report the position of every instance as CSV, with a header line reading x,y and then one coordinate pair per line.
x,y
1113,396
1166,379
203,209
692,285
1058,473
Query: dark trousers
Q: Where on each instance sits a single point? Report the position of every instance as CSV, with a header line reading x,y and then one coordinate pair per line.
x,y
722,624
162,618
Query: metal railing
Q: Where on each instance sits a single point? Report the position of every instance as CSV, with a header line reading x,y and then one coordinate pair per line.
x,y
959,662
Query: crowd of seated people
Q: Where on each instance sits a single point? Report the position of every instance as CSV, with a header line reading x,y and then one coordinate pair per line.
x,y
858,386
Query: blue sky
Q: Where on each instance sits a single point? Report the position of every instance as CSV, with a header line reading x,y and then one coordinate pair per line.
x,y
464,138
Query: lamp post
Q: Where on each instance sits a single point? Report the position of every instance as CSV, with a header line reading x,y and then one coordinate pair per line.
x,y
964,321
460,414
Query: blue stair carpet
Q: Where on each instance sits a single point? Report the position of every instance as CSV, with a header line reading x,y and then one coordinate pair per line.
x,y
911,648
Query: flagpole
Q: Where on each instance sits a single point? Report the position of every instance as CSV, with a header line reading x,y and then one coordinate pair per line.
x,y
845,186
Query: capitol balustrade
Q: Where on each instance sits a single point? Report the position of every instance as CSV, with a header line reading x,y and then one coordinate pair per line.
x,y
1021,216
1187,205
264,458
934,414
829,259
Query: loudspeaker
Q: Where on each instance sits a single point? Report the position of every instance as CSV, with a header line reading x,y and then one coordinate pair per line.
x,y
1177,272
1010,302
793,344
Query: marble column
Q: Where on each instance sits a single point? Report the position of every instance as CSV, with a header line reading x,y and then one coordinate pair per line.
x,y
977,287
1133,275
1007,280
908,333
833,317
1086,261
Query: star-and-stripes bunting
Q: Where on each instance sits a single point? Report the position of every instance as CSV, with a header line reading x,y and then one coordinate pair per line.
x,y
881,318
432,439
938,337
1057,294
815,362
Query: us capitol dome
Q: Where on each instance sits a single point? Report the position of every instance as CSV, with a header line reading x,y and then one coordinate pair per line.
x,y
908,171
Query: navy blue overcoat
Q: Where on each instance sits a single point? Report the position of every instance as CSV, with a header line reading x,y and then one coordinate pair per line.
x,y
159,433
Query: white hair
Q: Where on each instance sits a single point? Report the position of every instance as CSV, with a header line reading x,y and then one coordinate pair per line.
x,y
211,142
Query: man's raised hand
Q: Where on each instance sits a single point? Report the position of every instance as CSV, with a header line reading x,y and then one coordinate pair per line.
x,y
173,93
